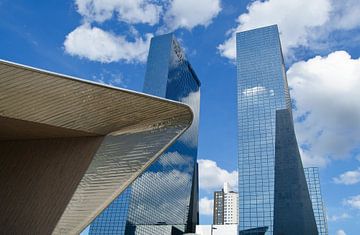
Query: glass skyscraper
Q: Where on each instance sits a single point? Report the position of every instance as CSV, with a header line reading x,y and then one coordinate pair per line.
x,y
113,219
313,182
164,199
262,93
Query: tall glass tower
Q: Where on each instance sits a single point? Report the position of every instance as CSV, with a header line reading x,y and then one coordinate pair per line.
x,y
264,125
313,180
164,199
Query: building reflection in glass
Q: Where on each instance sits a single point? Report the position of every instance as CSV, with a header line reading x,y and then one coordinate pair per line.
x,y
262,89
164,199
271,177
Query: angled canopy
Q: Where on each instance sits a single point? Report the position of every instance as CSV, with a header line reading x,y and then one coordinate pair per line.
x,y
69,147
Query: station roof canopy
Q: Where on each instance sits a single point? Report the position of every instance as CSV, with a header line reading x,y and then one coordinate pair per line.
x,y
129,129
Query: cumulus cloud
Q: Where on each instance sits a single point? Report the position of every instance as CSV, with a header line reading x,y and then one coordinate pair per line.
x,y
176,160
212,177
294,18
343,216
354,201
95,44
340,232
134,11
206,206
327,114
110,78
190,137
189,14
258,90
348,178
98,45
345,14
174,196
301,22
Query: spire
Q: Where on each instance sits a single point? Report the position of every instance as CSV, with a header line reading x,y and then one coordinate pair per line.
x,y
226,188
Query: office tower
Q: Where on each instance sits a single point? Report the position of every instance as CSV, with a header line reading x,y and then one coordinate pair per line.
x,y
113,219
313,181
218,215
61,166
225,206
231,207
164,199
273,194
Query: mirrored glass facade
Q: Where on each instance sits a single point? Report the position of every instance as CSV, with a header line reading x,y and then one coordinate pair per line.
x,y
313,182
164,199
262,89
113,219
272,183
293,213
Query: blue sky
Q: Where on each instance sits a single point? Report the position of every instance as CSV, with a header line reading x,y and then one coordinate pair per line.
x,y
107,41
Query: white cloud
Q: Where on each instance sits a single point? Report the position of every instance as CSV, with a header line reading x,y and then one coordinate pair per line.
x,y
110,78
174,196
98,45
340,232
301,22
295,19
228,48
258,90
188,13
345,14
348,178
95,44
353,202
175,159
311,159
176,13
206,206
190,137
212,177
134,11
343,216
254,91
326,91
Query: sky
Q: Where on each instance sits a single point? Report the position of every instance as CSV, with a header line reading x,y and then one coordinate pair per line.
x,y
107,41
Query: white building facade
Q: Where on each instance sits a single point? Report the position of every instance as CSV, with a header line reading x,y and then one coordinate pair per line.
x,y
231,215
226,206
